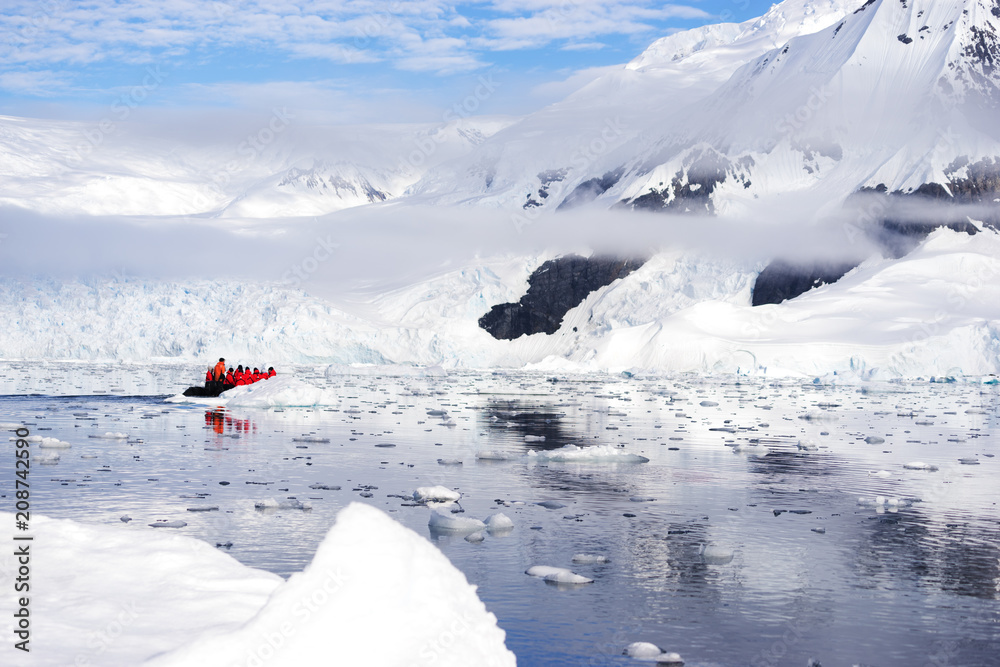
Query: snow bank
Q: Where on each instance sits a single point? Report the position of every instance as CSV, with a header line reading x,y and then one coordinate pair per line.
x,y
190,604
375,593
109,595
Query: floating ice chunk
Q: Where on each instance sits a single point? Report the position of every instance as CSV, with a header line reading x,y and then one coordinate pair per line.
x,y
499,524
652,653
715,555
110,436
534,438
819,415
286,504
475,538
45,458
881,502
456,525
437,413
450,462
807,445
163,523
426,494
879,473
593,454
708,404
324,487
920,465
495,455
588,559
969,461
557,575
874,440
642,499
311,438
54,443
551,504
7,426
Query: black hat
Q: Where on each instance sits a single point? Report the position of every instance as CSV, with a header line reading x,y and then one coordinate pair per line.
x,y
222,358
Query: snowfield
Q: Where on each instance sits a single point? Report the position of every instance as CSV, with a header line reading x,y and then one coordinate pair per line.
x,y
191,604
933,312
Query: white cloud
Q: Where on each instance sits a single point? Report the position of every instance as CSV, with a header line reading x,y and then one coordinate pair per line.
x,y
420,35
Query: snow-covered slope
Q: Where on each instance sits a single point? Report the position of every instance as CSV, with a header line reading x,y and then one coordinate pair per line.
x,y
824,97
276,169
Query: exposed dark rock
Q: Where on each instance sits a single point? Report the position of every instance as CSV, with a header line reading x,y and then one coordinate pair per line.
x,y
905,39
588,191
691,188
781,280
553,289
545,179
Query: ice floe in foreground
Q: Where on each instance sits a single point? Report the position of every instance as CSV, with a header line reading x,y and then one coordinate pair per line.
x,y
557,575
190,604
438,493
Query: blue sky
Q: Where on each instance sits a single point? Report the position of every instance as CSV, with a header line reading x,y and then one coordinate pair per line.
x,y
337,61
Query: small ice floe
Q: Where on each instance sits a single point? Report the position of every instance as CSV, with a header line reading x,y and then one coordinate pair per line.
x,y
592,454
125,518
807,446
551,504
920,465
45,458
9,426
642,499
708,404
534,438
311,438
54,443
652,653
495,455
884,502
450,462
715,555
819,416
874,440
969,462
589,559
499,524
208,508
557,575
441,494
879,473
324,487
454,525
88,456
475,538
163,523
286,504
110,436
437,413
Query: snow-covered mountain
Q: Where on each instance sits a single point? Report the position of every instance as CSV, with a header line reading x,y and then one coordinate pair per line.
x,y
825,97
274,168
788,116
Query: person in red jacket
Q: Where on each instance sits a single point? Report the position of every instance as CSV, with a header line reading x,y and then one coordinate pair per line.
x,y
238,375
270,372
230,380
256,376
209,377
220,370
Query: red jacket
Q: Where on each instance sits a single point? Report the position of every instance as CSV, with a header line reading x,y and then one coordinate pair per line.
x,y
220,371
257,376
271,373
229,378
208,376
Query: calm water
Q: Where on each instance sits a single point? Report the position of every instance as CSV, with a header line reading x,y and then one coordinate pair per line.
x,y
733,465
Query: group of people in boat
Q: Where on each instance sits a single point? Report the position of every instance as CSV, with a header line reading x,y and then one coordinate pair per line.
x,y
219,377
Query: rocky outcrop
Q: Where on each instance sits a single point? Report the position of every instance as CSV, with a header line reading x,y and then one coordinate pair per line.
x,y
781,280
553,289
